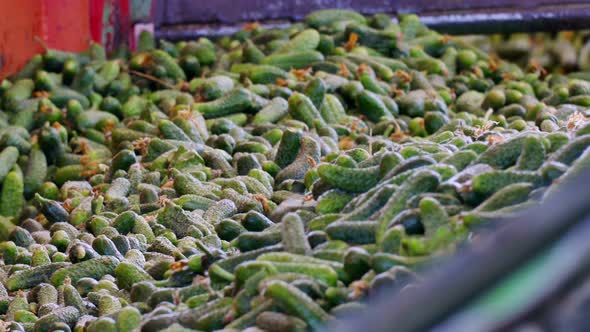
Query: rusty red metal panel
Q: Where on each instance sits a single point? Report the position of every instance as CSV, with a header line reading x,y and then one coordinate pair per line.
x,y
24,27
17,31
67,24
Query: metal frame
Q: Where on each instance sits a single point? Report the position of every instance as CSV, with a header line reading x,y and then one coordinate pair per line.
x,y
181,19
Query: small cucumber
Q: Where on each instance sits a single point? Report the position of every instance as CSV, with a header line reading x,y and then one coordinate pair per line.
x,y
93,268
303,109
235,101
293,235
12,196
293,60
297,303
350,179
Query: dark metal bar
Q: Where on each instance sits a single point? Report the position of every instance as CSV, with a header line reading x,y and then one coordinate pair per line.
x,y
567,17
451,16
480,266
171,12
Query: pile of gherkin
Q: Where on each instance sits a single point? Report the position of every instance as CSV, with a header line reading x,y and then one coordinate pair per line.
x,y
272,180
565,51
